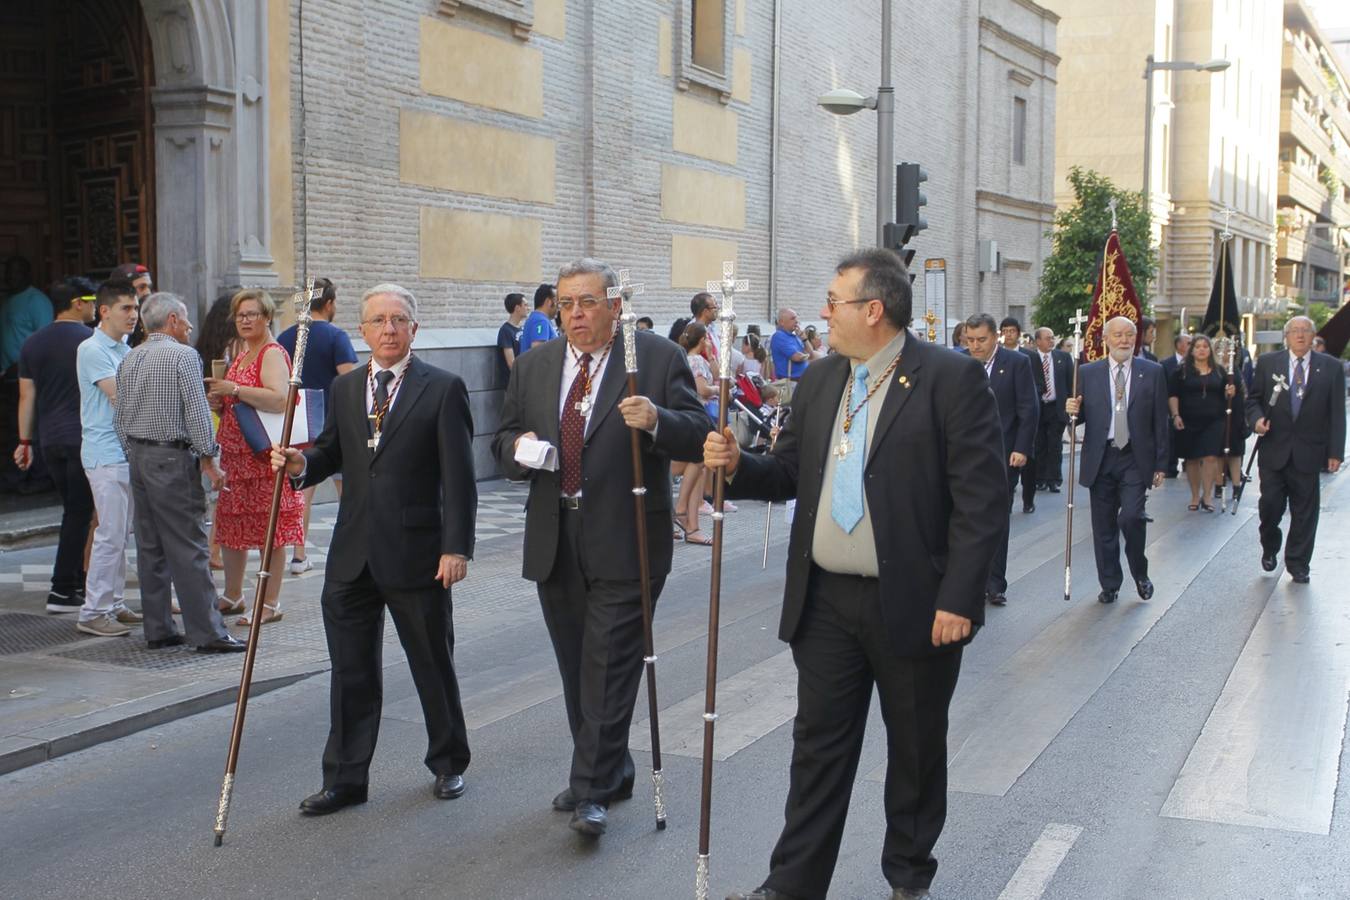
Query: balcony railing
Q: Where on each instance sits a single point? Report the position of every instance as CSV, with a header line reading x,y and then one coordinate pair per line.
x,y
1303,188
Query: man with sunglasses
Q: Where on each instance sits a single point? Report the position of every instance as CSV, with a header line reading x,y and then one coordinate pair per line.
x,y
49,393
580,543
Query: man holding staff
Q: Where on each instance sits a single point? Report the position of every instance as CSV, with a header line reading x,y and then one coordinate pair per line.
x,y
894,454
584,559
400,432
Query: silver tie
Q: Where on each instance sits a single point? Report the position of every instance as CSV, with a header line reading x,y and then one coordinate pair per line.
x,y
1122,423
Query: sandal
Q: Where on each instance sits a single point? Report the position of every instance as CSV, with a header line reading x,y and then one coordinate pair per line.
x,y
1206,507
273,614
1194,507
698,537
680,525
230,607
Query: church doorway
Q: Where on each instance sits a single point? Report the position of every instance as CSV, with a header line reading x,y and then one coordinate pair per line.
x,y
76,137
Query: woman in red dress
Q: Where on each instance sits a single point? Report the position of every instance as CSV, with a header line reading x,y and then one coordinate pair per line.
x,y
258,377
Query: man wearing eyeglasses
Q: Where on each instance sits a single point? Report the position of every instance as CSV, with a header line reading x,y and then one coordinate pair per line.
x,y
1297,405
400,432
580,541
892,453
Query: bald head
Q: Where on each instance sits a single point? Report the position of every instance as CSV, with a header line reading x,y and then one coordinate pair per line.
x,y
787,319
1045,339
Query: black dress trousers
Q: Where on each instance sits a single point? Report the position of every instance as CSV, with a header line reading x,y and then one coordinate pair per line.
x,y
1301,491
1118,509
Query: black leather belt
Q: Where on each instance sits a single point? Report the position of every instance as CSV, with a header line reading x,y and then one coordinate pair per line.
x,y
573,503
173,445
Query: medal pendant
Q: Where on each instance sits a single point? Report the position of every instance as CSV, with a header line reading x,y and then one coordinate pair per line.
x,y
374,442
1300,393
585,407
843,449
1120,407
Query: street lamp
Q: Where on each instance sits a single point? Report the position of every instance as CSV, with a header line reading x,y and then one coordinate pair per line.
x,y
844,102
1212,66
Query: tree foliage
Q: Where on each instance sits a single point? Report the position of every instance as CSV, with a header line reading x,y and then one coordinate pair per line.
x,y
1080,234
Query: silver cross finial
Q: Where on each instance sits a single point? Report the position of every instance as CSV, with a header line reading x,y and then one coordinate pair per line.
x,y
728,287
625,290
1112,204
1227,235
1077,320
303,317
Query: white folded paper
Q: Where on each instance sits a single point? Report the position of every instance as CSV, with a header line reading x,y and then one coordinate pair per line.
x,y
537,455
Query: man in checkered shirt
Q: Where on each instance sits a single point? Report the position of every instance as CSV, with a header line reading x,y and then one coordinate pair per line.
x,y
164,424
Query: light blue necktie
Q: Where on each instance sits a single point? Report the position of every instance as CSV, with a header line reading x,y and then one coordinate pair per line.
x,y
846,500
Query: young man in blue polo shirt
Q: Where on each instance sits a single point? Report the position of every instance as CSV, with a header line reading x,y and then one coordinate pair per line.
x,y
104,612
538,326
328,354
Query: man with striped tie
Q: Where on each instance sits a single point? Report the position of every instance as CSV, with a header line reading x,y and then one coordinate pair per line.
x,y
1053,371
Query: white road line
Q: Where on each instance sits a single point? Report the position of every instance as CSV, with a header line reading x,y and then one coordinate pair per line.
x,y
750,704
1042,861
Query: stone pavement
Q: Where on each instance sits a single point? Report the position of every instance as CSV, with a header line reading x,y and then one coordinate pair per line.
x,y
62,691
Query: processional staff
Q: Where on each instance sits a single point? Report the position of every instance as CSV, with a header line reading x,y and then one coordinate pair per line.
x,y
1226,351
774,431
625,291
301,299
1077,321
729,287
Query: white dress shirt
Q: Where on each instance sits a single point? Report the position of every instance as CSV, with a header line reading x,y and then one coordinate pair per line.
x,y
398,369
1112,366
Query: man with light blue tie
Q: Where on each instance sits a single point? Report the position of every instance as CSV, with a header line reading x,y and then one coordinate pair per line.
x,y
894,455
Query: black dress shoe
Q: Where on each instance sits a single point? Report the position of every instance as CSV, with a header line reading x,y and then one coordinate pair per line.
x,y
1269,562
173,640
589,819
1301,577
909,893
448,787
1054,489
996,599
1028,508
228,644
330,800
1148,519
1145,588
566,801
1107,596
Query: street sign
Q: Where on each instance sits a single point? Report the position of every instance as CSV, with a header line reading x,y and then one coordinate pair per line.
x,y
935,292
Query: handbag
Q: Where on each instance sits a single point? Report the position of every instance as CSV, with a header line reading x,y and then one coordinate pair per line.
x,y
263,429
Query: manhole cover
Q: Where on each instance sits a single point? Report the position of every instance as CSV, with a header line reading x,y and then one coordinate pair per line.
x,y
133,653
21,632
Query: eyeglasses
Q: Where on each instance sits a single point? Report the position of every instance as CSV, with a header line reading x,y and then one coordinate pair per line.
x,y
586,303
378,322
834,304
248,316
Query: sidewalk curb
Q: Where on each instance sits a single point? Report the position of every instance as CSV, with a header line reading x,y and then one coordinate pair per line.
x,y
60,738
31,536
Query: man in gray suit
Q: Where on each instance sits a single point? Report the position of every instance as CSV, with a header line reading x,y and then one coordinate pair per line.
x,y
1123,407
580,543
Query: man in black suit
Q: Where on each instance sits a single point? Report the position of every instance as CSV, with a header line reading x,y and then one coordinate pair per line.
x,y
1009,377
580,543
400,542
893,454
1180,344
1297,405
1053,373
1123,407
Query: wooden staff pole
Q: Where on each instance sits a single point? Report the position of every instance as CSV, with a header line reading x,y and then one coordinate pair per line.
x,y
303,318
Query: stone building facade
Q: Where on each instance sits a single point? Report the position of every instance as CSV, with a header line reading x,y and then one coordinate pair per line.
x,y
467,148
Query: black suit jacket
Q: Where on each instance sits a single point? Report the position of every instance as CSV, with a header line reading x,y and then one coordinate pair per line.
x,y
1061,372
412,499
1318,434
1146,412
608,535
1019,406
936,484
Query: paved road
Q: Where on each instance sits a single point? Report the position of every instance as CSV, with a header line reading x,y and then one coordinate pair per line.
x,y
1186,747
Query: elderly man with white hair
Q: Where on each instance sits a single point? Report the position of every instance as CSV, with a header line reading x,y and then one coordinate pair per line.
x,y
1123,407
400,432
1297,405
164,423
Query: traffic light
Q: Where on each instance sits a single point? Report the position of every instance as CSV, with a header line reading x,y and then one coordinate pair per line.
x,y
908,197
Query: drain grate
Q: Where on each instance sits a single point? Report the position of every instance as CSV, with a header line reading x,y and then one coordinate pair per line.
x,y
132,653
22,632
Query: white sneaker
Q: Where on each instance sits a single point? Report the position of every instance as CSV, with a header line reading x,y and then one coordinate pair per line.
x,y
103,626
301,566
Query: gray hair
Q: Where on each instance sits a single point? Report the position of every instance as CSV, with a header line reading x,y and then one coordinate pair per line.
x,y
156,309
1126,319
589,266
981,320
398,290
1043,328
1312,326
